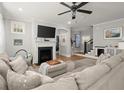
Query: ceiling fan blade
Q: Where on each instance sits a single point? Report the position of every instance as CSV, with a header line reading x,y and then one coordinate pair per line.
x,y
65,5
84,11
64,12
81,4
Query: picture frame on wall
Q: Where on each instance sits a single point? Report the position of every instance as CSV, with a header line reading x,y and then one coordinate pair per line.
x,y
17,27
113,33
17,42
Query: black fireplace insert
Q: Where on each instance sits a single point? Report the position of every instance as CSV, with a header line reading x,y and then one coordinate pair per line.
x,y
44,54
100,51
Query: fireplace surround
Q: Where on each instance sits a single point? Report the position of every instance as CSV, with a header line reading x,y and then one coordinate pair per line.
x,y
44,44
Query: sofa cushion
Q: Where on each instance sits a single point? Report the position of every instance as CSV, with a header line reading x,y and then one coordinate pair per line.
x,y
85,61
113,61
70,66
90,75
19,65
4,57
61,84
3,85
3,68
121,55
44,79
57,67
25,81
114,80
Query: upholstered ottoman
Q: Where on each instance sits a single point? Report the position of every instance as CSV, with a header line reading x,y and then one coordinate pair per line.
x,y
53,70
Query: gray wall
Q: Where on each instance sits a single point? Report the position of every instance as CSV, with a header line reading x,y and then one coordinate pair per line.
x,y
2,32
98,32
2,35
27,38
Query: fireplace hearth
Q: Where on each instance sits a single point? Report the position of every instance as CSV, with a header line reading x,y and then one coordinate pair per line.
x,y
44,54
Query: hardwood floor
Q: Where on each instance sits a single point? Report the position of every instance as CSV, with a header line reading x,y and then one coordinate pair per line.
x,y
65,59
72,58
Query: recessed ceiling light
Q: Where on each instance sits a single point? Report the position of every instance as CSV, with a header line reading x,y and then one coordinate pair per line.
x,y
20,9
69,22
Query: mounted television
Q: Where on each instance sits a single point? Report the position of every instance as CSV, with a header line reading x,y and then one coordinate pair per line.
x,y
46,32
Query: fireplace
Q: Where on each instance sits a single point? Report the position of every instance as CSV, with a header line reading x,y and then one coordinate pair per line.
x,y
44,54
99,52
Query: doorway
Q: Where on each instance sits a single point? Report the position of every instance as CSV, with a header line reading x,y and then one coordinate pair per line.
x,y
63,42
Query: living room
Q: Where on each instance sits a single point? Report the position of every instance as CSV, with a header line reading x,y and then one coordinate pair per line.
x,y
62,45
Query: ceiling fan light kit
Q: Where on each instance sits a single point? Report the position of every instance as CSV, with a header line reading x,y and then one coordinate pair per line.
x,y
74,15
75,8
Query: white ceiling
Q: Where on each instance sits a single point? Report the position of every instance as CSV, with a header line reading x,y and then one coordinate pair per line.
x,y
47,11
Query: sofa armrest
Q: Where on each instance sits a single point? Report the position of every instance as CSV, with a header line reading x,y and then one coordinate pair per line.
x,y
57,67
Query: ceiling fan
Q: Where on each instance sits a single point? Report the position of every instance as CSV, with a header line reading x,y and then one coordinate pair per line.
x,y
75,8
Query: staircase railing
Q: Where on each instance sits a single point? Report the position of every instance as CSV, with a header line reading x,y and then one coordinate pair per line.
x,y
88,46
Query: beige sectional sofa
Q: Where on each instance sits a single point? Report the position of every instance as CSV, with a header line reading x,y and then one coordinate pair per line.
x,y
105,75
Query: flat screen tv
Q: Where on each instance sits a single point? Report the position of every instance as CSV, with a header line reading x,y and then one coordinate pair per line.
x,y
46,32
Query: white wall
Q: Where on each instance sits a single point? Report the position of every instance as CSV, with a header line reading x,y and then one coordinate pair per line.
x,y
26,37
64,41
98,32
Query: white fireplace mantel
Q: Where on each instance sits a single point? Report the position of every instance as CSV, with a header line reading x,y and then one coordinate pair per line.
x,y
44,44
111,50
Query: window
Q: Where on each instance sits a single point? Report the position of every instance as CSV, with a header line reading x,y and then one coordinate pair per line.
x,y
77,40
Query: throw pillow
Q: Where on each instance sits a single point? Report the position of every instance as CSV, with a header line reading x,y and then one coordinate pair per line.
x,y
102,57
113,61
3,85
90,75
3,68
121,55
26,81
44,79
61,84
19,65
